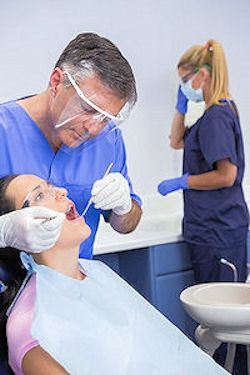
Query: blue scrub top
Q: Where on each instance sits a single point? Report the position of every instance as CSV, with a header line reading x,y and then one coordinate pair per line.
x,y
25,150
215,217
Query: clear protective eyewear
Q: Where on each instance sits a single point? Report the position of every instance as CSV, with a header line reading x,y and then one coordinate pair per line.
x,y
89,109
39,194
184,79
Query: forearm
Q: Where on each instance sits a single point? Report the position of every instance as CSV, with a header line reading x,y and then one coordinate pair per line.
x,y
177,131
212,180
128,222
224,175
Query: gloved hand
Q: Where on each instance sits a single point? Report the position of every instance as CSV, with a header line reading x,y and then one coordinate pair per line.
x,y
167,186
33,229
112,193
182,102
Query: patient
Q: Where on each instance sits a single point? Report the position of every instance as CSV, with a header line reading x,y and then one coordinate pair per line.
x,y
77,316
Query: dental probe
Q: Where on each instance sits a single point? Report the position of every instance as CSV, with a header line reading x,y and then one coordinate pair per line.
x,y
48,219
90,199
45,219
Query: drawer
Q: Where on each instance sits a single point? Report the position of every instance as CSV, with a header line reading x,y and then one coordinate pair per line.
x,y
171,258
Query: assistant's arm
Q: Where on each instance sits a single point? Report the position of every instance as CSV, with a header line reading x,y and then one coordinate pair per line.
x,y
224,175
177,131
38,362
178,127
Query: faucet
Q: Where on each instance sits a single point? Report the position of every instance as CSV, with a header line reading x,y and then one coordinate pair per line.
x,y
232,266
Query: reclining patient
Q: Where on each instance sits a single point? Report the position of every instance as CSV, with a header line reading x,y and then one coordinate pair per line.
x,y
78,316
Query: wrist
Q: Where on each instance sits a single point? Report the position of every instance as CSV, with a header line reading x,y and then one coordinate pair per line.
x,y
124,209
185,184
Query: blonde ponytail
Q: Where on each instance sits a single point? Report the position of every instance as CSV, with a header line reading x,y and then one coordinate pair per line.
x,y
211,55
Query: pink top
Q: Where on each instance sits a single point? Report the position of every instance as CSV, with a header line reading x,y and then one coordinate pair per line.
x,y
18,327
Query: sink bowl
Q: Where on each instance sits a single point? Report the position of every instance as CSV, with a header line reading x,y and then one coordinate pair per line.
x,y
223,307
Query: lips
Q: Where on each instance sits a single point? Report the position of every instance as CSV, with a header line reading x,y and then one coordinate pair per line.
x,y
71,213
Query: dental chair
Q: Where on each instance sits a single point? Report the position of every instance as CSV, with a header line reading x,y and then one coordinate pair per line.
x,y
5,369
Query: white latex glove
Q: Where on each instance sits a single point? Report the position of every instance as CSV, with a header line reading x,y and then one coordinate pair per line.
x,y
112,193
33,229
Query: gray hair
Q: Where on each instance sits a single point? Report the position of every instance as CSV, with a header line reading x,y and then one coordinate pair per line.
x,y
90,54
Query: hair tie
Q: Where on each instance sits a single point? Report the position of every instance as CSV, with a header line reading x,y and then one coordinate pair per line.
x,y
3,287
208,47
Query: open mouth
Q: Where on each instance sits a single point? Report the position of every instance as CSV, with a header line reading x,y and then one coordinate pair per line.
x,y
71,213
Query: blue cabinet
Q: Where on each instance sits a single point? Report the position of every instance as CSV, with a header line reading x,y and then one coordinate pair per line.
x,y
248,248
159,273
168,289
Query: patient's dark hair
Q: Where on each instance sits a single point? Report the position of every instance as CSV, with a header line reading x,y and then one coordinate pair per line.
x,y
12,271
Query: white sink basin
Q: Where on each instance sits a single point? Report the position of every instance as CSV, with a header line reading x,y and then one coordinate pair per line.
x,y
223,307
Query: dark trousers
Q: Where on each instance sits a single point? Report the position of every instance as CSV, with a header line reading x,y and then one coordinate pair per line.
x,y
208,268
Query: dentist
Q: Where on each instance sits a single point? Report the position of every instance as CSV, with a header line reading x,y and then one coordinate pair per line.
x,y
68,135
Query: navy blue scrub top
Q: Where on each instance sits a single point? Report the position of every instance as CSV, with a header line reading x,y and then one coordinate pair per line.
x,y
25,150
215,217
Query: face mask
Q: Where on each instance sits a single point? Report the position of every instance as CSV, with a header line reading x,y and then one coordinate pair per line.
x,y
195,95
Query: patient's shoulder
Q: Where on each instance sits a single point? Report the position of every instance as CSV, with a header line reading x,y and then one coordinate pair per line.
x,y
19,324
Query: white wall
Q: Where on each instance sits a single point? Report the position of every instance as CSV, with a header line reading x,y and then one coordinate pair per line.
x,y
152,34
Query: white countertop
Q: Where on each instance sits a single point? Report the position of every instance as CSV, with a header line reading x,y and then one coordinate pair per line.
x,y
160,223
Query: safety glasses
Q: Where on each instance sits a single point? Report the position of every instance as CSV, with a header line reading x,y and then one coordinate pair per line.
x,y
99,114
184,79
39,194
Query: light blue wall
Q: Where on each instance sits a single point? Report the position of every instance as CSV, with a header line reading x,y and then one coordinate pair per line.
x,y
152,35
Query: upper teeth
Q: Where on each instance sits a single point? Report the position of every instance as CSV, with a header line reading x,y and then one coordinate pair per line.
x,y
68,209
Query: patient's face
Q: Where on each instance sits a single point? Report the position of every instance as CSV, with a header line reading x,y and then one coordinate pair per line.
x,y
29,190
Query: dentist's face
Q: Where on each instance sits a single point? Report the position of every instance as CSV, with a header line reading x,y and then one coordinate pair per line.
x,y
75,119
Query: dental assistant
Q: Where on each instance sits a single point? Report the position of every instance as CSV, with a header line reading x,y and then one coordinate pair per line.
x,y
69,135
216,217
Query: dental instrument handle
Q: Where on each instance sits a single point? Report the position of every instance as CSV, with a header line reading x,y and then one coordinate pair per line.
x,y
87,207
90,199
108,169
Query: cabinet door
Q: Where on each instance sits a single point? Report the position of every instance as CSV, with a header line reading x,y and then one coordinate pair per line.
x,y
168,290
248,247
170,258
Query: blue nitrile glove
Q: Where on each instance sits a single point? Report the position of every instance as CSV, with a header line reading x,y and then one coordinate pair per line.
x,y
167,186
182,102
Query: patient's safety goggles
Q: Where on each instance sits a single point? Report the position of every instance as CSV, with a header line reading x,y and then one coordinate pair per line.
x,y
39,194
81,107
